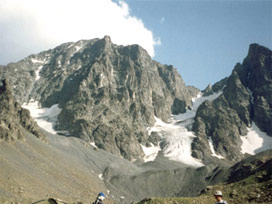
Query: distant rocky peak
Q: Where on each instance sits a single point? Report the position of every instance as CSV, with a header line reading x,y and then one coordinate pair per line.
x,y
246,100
256,68
218,86
256,51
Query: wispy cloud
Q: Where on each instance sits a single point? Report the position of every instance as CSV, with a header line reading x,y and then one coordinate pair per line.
x,y
41,24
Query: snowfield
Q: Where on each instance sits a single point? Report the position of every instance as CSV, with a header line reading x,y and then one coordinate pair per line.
x,y
178,142
46,118
177,137
212,149
150,152
255,141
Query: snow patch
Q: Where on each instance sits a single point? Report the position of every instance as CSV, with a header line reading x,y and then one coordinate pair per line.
x,y
212,149
59,64
37,73
255,141
101,176
38,61
41,64
46,118
93,144
150,152
200,99
78,47
177,137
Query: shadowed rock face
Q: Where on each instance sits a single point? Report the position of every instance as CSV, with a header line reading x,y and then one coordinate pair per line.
x,y
246,97
14,120
109,94
257,76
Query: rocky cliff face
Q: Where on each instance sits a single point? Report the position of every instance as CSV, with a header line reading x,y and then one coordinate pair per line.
x,y
256,75
246,97
109,94
14,120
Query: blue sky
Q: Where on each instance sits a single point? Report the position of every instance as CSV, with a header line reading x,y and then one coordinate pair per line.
x,y
205,39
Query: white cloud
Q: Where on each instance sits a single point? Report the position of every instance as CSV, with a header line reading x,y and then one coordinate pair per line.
x,y
41,24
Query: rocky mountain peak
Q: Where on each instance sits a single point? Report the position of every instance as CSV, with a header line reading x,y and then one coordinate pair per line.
x,y
256,75
108,94
246,98
103,45
107,39
255,50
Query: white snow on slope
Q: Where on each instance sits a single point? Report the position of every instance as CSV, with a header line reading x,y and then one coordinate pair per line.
x,y
101,177
37,61
45,117
77,46
190,114
212,149
93,144
41,63
37,73
178,142
176,135
255,141
150,152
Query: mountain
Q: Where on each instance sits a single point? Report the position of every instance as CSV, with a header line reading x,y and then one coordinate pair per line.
x,y
107,94
112,119
115,97
243,107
